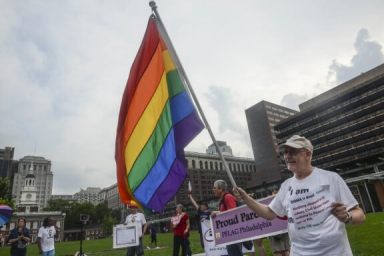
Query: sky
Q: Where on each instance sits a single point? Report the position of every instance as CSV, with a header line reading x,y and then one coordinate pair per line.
x,y
64,66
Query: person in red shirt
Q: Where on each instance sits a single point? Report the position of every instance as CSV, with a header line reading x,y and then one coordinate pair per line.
x,y
227,201
180,225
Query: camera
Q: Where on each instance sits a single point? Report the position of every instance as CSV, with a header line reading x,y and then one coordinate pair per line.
x,y
84,217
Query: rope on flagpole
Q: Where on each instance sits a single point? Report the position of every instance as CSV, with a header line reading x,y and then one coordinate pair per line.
x,y
169,44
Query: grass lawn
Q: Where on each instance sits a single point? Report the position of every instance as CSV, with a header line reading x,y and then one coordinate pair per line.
x,y
366,240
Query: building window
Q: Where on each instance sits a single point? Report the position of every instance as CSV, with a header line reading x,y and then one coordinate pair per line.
x,y
193,164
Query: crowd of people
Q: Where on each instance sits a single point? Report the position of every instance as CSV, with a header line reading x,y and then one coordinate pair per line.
x,y
20,237
327,235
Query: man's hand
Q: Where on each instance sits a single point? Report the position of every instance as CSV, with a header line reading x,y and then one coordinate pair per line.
x,y
214,213
340,211
239,193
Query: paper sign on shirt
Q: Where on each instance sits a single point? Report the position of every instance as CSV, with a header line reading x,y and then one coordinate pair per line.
x,y
310,207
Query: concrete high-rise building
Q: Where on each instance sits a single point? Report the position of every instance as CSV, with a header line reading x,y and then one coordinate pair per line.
x,y
261,119
90,195
40,168
110,195
8,166
346,127
69,198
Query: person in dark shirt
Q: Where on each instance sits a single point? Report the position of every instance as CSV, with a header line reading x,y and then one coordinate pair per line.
x,y
18,238
203,214
153,231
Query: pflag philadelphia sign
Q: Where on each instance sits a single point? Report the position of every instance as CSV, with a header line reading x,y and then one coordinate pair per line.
x,y
242,224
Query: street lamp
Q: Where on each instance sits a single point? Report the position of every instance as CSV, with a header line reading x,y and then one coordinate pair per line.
x,y
83,220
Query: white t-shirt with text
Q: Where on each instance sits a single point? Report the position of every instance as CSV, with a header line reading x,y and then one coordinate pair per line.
x,y
138,218
47,238
312,228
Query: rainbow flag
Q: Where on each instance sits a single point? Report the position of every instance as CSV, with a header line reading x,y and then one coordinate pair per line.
x,y
157,120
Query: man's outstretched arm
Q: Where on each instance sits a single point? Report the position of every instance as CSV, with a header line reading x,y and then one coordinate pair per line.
x,y
261,210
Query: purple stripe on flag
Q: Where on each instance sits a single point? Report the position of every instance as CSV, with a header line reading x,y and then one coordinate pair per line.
x,y
186,130
167,190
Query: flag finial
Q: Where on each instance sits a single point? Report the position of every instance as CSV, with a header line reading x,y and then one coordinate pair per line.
x,y
153,5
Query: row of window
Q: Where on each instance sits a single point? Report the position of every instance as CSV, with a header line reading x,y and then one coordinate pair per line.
x,y
279,109
215,165
35,167
331,110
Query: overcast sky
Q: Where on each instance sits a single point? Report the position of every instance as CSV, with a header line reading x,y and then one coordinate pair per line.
x,y
64,66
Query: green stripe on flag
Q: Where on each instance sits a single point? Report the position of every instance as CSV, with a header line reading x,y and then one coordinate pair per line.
x,y
151,150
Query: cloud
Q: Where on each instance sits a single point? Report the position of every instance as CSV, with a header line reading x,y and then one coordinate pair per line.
x,y
221,100
231,120
368,55
293,100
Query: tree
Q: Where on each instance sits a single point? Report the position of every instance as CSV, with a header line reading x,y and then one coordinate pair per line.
x,y
99,215
5,192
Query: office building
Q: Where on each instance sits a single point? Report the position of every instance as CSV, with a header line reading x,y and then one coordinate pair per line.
x,y
89,195
69,198
8,166
110,196
261,119
346,127
204,169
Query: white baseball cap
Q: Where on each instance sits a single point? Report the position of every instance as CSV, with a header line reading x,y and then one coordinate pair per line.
x,y
297,141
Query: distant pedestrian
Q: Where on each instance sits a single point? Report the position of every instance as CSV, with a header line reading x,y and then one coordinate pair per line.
x,y
2,240
19,237
46,237
153,232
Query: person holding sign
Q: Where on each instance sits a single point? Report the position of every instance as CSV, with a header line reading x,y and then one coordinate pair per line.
x,y
318,204
138,218
203,215
227,201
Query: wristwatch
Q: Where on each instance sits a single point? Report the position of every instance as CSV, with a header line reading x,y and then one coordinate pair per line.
x,y
349,218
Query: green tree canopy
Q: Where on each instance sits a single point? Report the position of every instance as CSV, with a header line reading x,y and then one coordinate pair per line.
x,y
5,192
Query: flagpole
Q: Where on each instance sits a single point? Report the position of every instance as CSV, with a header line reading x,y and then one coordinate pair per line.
x,y
169,44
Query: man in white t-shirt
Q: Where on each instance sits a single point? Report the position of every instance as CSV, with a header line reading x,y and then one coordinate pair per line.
x,y
139,218
318,204
46,238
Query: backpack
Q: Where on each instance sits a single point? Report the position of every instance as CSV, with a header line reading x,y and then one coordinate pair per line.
x,y
222,201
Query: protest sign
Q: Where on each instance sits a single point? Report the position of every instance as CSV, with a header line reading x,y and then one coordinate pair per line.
x,y
242,224
209,243
125,235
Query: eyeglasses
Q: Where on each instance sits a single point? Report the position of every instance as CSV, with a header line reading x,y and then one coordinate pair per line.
x,y
293,151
